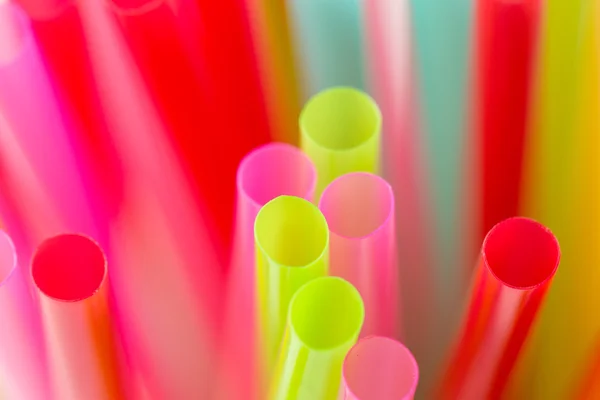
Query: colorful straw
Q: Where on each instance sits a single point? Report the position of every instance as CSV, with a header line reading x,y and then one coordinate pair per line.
x,y
325,318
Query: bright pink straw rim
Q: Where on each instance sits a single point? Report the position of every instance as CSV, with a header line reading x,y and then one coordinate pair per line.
x,y
69,267
260,162
521,253
372,352
334,199
8,258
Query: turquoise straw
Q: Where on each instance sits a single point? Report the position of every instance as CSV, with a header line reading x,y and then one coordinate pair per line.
x,y
328,40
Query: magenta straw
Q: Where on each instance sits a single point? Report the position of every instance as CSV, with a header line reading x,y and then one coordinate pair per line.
x,y
359,209
379,368
269,171
33,114
22,364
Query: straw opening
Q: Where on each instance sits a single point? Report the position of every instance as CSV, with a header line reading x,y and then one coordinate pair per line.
x,y
276,169
69,267
521,253
326,313
379,368
8,257
291,231
340,118
356,205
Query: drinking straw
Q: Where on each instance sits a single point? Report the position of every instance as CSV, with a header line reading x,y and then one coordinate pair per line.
x,y
324,321
340,131
329,43
589,386
506,43
519,257
33,115
379,368
22,361
272,40
70,275
292,242
562,154
359,209
267,172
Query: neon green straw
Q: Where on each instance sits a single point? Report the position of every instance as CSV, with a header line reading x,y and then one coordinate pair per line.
x,y
325,319
292,241
340,130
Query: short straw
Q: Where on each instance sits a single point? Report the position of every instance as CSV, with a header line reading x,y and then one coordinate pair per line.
x,y
22,360
325,318
292,242
506,33
269,171
70,274
519,257
379,368
329,42
359,209
340,130
34,116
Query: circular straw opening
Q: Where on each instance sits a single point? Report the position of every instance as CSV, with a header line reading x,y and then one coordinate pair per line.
x,y
340,118
276,169
379,368
68,267
8,257
326,313
521,253
291,231
357,204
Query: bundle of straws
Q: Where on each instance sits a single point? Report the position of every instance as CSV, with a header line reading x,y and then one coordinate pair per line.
x,y
300,199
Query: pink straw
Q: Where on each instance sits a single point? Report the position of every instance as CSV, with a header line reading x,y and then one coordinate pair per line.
x,y
22,362
359,209
70,274
379,368
267,172
519,257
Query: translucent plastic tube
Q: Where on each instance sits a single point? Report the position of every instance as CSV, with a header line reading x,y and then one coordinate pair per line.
x,y
269,171
292,241
340,130
519,257
379,368
359,209
329,42
22,358
325,318
70,274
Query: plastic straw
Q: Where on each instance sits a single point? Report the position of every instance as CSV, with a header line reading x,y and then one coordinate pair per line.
x,y
269,171
70,274
379,368
292,241
325,318
506,35
22,361
340,131
33,115
359,209
519,257
329,40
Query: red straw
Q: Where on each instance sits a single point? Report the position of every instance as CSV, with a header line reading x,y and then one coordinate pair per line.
x,y
518,260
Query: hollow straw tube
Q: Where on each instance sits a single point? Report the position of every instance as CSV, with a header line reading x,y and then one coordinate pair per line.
x,y
359,209
70,275
267,172
22,360
588,387
519,257
379,368
31,111
292,243
325,319
329,42
340,130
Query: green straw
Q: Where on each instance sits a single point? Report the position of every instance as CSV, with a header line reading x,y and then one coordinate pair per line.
x,y
325,319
